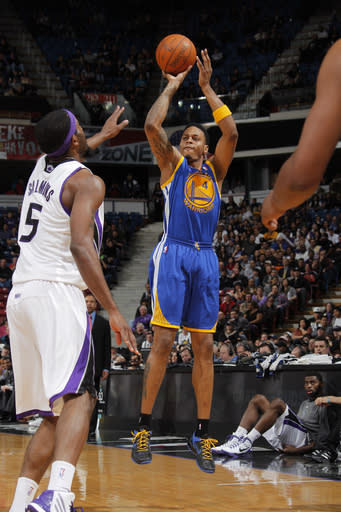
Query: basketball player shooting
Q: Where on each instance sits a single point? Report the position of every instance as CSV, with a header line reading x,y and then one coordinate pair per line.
x,y
183,271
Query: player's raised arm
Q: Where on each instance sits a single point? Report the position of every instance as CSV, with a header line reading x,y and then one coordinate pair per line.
x,y
167,156
227,143
110,129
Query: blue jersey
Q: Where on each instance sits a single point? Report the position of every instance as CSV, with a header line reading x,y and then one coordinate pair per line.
x,y
183,270
192,203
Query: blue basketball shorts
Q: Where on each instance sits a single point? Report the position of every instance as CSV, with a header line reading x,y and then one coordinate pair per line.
x,y
184,282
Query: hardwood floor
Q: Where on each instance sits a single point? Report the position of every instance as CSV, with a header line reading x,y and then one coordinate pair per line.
x,y
106,479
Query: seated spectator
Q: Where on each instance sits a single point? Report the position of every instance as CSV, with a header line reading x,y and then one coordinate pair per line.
x,y
148,341
302,329
135,362
300,284
265,349
243,350
254,317
118,361
173,359
5,274
321,346
315,323
226,353
219,335
7,410
140,334
298,351
144,317
336,317
269,315
184,337
186,356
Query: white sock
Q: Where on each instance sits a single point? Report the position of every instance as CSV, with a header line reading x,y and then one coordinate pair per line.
x,y
253,435
61,476
240,432
24,494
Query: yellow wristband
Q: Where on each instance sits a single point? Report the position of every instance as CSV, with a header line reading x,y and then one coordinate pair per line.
x,y
221,112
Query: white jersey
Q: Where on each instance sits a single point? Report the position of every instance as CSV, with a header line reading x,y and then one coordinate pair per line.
x,y
44,230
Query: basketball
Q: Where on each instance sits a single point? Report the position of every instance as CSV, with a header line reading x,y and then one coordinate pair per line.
x,y
175,53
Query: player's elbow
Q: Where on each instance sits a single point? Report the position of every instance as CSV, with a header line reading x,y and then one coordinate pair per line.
x,y
78,249
151,127
234,135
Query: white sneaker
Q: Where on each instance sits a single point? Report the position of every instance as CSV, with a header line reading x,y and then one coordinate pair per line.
x,y
52,501
241,447
224,449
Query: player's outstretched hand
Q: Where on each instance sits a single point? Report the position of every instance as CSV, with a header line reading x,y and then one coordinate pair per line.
x,y
112,127
122,331
205,68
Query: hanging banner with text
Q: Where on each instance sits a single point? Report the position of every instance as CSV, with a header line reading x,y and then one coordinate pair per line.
x,y
17,142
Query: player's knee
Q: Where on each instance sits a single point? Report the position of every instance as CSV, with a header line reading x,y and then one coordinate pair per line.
x,y
258,399
278,405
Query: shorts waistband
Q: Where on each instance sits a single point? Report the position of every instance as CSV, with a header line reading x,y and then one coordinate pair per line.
x,y
191,243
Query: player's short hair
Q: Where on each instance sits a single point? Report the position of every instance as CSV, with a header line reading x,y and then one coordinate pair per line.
x,y
312,373
52,130
202,128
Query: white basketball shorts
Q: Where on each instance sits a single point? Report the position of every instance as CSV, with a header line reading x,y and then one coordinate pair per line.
x,y
52,352
288,429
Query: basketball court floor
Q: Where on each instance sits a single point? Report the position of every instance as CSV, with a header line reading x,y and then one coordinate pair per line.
x,y
106,479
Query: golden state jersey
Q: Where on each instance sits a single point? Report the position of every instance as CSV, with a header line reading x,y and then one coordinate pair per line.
x,y
183,269
192,203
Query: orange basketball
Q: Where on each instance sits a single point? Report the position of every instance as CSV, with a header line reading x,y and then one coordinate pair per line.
x,y
175,53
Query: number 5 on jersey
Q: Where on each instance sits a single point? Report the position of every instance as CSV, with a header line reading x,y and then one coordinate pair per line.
x,y
31,221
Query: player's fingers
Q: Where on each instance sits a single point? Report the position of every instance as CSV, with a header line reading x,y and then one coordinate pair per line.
x,y
123,124
118,338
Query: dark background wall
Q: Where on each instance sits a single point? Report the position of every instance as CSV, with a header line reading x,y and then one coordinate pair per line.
x,y
175,408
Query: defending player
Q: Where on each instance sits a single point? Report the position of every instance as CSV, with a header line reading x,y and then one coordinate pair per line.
x,y
183,270
60,233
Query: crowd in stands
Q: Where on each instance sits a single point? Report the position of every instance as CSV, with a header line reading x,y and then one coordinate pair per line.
x,y
266,279
107,52
297,87
98,52
110,53
14,80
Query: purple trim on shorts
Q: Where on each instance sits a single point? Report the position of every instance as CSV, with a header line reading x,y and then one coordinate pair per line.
x,y
67,141
295,425
77,375
99,229
67,211
34,411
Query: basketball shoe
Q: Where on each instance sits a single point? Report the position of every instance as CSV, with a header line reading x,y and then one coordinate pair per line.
x,y
141,452
224,449
241,447
201,447
53,501
324,455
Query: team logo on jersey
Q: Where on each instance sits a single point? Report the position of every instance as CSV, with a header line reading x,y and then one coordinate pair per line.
x,y
199,192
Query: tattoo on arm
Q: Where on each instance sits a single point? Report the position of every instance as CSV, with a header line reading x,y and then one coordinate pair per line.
x,y
161,146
